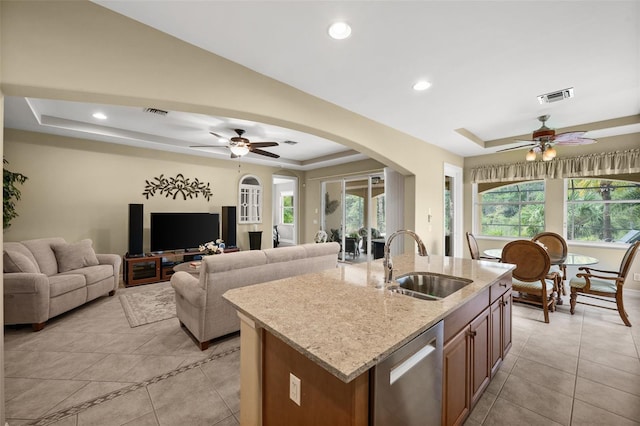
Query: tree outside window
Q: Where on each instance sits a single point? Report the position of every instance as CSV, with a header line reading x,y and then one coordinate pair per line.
x,y
603,210
286,208
515,210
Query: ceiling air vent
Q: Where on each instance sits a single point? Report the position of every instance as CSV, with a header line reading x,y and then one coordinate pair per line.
x,y
560,95
290,142
156,111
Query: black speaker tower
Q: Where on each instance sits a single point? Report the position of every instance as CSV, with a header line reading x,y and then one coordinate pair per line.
x,y
135,230
229,225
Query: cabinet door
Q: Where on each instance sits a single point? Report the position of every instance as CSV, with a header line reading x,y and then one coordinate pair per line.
x,y
506,322
480,345
455,379
496,335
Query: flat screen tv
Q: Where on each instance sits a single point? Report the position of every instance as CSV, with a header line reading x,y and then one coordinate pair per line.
x,y
183,231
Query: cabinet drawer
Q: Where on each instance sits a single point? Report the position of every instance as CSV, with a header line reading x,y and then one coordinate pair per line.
x,y
500,287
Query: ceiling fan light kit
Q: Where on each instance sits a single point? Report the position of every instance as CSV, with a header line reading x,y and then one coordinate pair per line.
x,y
240,146
239,149
544,138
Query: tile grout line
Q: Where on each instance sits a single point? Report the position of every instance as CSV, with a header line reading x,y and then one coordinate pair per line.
x,y
67,412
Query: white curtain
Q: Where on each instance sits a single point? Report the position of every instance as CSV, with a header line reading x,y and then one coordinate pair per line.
x,y
605,163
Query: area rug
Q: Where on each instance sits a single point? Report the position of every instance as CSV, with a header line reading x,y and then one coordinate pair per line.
x,y
153,303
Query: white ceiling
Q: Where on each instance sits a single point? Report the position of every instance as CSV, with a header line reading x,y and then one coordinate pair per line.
x,y
487,62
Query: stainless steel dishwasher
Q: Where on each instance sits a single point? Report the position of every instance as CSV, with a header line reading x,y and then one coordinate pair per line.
x,y
407,385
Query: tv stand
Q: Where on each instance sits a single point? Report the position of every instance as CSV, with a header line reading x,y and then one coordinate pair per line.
x,y
154,267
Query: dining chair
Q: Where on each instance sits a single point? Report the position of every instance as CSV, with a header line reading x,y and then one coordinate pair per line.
x,y
531,282
475,251
604,285
557,248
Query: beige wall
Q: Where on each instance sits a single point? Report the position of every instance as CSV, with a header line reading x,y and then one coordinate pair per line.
x,y
609,257
81,189
81,51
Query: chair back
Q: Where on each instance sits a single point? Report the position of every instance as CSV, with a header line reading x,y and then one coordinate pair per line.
x,y
555,244
627,260
473,246
531,260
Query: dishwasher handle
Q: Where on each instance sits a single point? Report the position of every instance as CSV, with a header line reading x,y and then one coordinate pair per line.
x,y
404,367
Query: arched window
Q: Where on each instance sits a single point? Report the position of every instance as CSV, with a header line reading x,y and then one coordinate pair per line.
x,y
515,210
250,200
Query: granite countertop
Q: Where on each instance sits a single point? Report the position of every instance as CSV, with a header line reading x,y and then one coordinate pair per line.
x,y
345,320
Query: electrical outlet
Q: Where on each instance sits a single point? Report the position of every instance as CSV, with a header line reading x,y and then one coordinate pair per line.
x,y
294,388
636,276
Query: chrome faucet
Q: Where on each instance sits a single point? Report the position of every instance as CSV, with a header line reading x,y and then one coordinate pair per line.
x,y
388,265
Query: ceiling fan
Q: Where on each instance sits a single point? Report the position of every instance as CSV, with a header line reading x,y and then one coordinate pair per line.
x,y
241,146
544,138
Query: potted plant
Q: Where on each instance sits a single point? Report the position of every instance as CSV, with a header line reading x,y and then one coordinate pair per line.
x,y
10,194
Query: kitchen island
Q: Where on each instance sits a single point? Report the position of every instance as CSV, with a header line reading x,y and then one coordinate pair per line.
x,y
343,321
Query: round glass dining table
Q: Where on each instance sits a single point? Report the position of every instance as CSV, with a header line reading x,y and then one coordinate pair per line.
x,y
573,259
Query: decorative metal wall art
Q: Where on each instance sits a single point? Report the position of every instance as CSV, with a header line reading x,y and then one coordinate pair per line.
x,y
177,185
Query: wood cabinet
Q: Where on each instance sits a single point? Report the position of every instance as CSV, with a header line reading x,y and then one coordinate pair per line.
x,y
153,268
477,337
500,324
456,373
142,270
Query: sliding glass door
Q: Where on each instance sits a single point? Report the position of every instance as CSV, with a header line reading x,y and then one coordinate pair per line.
x,y
354,215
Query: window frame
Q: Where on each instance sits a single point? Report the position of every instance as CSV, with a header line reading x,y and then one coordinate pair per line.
x,y
566,203
249,200
292,208
477,210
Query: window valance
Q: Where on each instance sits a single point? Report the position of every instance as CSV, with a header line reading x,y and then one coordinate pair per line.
x,y
602,164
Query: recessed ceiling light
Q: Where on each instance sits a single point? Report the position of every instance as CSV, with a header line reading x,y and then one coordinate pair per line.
x,y
99,116
339,30
421,85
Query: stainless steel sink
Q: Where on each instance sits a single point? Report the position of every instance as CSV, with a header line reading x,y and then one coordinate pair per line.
x,y
428,286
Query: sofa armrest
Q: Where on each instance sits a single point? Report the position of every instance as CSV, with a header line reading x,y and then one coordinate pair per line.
x,y
110,259
187,286
26,283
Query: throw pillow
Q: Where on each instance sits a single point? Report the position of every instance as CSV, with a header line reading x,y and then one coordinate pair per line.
x,y
14,261
75,255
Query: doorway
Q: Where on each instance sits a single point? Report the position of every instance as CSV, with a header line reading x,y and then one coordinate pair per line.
x,y
354,215
453,245
285,211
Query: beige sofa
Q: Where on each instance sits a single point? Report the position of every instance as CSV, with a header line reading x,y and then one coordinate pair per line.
x,y
199,303
46,277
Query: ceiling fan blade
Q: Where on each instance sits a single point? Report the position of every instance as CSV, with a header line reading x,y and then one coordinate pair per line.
x,y
516,147
573,138
262,152
578,141
215,134
263,144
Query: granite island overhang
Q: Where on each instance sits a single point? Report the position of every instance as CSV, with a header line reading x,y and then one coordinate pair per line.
x,y
346,320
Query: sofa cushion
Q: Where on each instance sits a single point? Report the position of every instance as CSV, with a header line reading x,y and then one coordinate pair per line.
x,y
15,261
93,274
285,254
43,253
64,283
74,256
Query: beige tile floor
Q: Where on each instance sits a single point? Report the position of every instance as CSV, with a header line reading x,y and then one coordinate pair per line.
x,y
578,370
92,351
